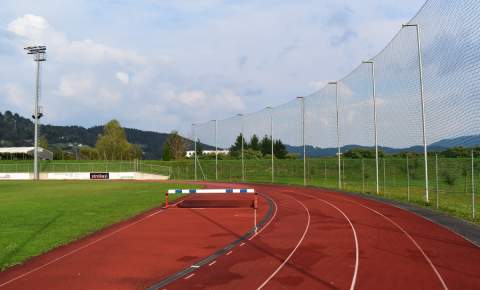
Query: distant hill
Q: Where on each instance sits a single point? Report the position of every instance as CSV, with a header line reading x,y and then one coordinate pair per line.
x,y
467,141
16,130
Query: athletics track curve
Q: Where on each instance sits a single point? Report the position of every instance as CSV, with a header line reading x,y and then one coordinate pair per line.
x,y
313,239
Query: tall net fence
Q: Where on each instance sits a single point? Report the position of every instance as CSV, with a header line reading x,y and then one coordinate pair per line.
x,y
369,131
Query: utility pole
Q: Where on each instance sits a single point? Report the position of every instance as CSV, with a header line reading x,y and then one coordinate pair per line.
x,y
39,55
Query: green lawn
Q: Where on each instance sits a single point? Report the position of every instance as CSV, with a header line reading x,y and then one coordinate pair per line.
x,y
38,216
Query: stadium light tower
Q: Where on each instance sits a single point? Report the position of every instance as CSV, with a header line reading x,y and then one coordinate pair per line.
x,y
422,100
39,55
374,95
339,153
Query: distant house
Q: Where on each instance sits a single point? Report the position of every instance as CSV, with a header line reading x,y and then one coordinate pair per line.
x,y
190,153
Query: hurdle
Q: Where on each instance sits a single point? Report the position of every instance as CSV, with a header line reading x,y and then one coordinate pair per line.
x,y
219,191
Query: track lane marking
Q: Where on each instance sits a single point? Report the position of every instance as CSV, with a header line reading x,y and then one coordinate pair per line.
x,y
189,276
294,250
429,261
355,236
444,285
79,249
212,263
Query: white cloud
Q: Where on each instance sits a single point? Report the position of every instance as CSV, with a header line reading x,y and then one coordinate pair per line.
x,y
16,96
123,77
29,26
75,86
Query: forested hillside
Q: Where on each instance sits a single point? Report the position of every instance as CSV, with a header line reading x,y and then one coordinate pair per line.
x,y
16,130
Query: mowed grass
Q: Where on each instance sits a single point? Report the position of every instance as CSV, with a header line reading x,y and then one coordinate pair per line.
x,y
38,216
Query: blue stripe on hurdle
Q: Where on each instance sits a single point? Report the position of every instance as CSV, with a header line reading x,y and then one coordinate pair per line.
x,y
243,190
229,190
192,191
178,191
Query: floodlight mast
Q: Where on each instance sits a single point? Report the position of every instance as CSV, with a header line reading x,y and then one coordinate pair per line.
x,y
39,55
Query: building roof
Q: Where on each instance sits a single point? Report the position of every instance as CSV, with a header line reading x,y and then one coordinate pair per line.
x,y
42,153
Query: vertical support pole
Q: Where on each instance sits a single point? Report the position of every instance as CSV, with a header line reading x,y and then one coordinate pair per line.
x,y
271,138
408,180
166,199
243,142
422,100
473,186
216,150
195,151
363,175
384,177
436,179
339,153
374,97
302,107
325,170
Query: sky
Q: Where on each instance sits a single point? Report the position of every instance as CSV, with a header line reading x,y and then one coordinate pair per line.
x,y
162,65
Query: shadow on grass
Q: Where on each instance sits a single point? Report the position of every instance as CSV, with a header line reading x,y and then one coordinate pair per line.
x,y
6,258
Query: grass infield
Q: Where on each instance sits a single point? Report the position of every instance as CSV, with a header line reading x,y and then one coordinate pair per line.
x,y
38,216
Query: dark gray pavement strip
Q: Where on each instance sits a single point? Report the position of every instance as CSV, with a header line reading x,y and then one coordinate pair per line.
x,y
185,272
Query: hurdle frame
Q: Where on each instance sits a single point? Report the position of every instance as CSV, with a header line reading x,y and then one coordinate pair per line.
x,y
219,190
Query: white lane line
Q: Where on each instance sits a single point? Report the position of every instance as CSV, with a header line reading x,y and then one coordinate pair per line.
x,y
189,276
444,285
355,237
212,263
79,249
294,250
227,254
242,244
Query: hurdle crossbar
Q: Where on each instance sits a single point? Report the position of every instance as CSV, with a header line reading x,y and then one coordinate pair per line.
x,y
214,190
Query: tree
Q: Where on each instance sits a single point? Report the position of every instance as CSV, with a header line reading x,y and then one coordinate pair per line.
x,y
236,149
166,152
176,145
199,148
266,145
279,150
113,144
254,143
43,142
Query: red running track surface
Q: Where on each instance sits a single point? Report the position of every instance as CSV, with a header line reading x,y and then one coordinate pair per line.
x,y
315,240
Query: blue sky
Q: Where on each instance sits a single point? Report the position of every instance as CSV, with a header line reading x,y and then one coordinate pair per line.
x,y
162,65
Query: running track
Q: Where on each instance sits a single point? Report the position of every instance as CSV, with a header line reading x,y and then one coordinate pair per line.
x,y
314,239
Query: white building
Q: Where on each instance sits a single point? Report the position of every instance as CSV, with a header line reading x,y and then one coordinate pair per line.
x,y
42,153
191,153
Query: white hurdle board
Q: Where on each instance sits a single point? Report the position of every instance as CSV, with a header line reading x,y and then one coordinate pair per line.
x,y
224,190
